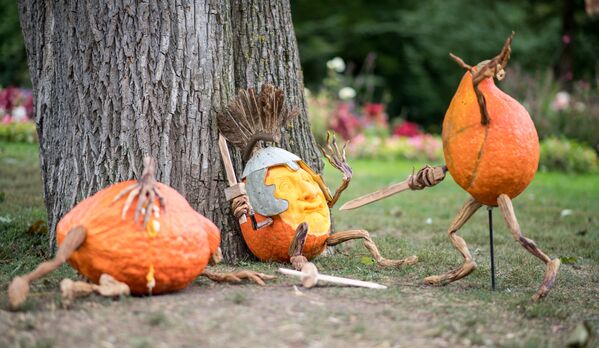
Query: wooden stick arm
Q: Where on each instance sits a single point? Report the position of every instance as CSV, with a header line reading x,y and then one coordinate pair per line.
x,y
344,184
425,177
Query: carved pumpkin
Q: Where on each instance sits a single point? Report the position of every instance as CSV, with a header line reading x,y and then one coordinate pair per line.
x,y
500,157
165,255
306,203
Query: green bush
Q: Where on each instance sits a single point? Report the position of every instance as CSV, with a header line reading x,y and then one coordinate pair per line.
x,y
18,132
572,114
568,156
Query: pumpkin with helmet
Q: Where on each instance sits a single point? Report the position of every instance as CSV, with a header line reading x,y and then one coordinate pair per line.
x,y
283,205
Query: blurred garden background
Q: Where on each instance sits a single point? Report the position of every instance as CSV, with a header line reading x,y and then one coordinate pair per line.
x,y
378,73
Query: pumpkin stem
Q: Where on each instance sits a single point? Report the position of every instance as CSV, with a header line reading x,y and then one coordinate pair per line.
x,y
19,287
485,69
460,62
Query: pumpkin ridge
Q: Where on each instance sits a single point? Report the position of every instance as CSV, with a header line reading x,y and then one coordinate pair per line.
x,y
462,130
478,158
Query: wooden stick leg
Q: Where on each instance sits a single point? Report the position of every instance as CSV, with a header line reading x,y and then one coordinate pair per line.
x,y
297,247
469,208
71,289
19,287
107,287
507,210
236,277
340,237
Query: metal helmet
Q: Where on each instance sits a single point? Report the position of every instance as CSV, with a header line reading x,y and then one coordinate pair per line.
x,y
262,196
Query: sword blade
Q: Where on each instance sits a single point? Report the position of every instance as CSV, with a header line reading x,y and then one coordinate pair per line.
x,y
376,196
333,279
224,153
229,170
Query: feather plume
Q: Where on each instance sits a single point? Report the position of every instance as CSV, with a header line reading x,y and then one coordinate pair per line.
x,y
251,117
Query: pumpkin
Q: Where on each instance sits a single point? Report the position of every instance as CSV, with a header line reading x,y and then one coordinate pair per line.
x,y
487,160
165,255
306,203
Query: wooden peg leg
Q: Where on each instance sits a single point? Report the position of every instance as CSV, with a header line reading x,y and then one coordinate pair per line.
x,y
469,208
236,277
19,287
507,210
340,237
297,247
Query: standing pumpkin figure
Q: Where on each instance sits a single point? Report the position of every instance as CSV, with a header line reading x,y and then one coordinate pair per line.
x,y
151,250
283,206
491,149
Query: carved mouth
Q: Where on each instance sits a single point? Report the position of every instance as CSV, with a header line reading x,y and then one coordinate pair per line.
x,y
312,208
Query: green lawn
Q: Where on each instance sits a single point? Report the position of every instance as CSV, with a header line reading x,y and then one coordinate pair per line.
x,y
412,223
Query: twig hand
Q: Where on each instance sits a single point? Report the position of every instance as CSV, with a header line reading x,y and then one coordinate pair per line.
x,y
146,191
336,157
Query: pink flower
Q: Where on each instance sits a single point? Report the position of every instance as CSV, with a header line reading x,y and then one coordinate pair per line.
x,y
6,119
375,113
12,98
566,39
344,122
407,129
416,140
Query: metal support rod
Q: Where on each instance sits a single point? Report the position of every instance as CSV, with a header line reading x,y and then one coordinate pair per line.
x,y
490,209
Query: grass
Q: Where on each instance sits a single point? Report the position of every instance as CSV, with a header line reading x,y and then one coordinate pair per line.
x,y
23,228
412,223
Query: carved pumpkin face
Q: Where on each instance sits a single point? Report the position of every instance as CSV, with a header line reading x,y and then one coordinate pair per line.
x,y
165,255
304,196
488,160
306,203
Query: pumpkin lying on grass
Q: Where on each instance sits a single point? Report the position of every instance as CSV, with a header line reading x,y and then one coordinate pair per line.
x,y
282,204
491,149
149,250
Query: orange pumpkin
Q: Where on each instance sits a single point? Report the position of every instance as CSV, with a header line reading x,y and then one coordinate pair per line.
x,y
500,157
165,255
306,203
280,235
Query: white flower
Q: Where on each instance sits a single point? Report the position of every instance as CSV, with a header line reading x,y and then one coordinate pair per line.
x,y
561,101
19,114
428,221
347,93
580,106
336,64
566,212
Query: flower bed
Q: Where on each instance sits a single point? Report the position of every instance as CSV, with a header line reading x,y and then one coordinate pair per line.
x,y
337,108
16,108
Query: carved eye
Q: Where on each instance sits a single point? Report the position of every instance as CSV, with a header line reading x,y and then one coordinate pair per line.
x,y
285,185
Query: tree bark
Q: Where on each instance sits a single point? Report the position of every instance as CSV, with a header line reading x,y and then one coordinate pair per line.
x,y
265,51
114,81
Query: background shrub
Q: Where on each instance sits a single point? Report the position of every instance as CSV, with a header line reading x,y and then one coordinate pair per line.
x,y
568,156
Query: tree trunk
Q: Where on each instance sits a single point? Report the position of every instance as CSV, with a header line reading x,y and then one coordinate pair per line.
x,y
114,81
265,51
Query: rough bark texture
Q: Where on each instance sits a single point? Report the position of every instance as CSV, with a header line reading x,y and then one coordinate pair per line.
x,y
265,51
116,80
